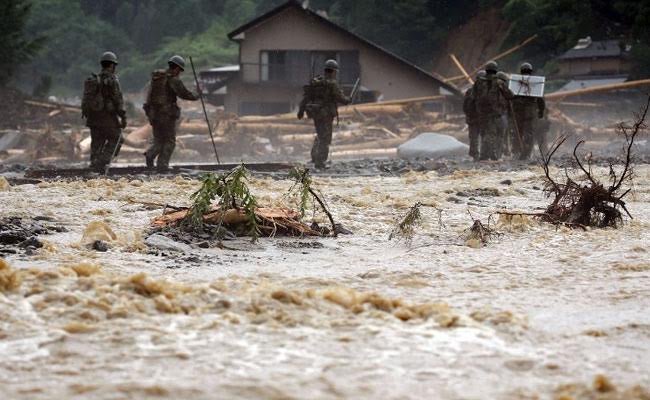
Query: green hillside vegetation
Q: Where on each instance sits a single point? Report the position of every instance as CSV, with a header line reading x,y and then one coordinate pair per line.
x,y
560,23
144,33
71,34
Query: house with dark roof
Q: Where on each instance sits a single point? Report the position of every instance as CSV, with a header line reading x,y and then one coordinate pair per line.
x,y
595,58
281,50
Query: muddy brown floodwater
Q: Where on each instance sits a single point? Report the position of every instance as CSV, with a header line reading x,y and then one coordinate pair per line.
x,y
537,313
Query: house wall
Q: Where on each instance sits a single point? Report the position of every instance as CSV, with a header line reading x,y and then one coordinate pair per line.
x,y
293,30
593,66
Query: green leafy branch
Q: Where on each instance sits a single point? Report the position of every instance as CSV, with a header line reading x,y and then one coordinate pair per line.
x,y
233,193
307,194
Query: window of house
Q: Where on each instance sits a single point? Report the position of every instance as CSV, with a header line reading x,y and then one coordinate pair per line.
x,y
296,67
348,63
273,66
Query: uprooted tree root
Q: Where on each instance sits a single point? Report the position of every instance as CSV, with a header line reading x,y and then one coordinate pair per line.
x,y
584,201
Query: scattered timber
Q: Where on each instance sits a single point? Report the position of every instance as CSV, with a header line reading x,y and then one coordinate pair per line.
x,y
559,96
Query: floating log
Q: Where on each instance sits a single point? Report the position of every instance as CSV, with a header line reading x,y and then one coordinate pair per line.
x,y
139,135
385,108
377,107
389,144
50,105
144,133
250,127
366,153
389,108
580,104
309,137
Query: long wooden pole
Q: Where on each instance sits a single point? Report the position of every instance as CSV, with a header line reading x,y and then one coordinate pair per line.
x,y
454,78
558,96
506,53
495,58
370,106
462,69
205,112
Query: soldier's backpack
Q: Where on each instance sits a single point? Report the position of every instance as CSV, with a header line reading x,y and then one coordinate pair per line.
x,y
93,96
318,95
158,91
488,97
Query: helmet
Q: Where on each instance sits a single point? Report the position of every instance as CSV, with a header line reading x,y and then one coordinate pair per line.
x,y
503,76
109,56
491,66
178,61
332,64
481,74
526,68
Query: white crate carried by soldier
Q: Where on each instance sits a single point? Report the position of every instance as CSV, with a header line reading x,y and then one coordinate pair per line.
x,y
527,85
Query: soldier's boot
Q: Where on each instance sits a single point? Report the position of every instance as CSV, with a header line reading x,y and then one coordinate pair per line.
x,y
542,145
149,160
315,155
321,156
473,143
528,148
166,154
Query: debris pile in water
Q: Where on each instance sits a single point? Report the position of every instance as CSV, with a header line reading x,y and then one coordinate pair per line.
x,y
238,213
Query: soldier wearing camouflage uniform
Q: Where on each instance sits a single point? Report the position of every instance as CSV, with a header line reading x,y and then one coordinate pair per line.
x,y
320,100
108,119
471,119
163,112
491,96
527,112
509,123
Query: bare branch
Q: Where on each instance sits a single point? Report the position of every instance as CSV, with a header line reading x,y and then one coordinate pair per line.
x,y
639,124
577,159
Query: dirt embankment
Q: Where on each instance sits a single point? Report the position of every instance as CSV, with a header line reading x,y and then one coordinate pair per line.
x,y
474,42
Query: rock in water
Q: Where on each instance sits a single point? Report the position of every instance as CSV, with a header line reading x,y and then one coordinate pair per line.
x,y
100,246
432,145
164,243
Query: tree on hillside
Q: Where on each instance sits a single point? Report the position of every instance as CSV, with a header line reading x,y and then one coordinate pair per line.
x,y
16,47
75,43
560,23
403,26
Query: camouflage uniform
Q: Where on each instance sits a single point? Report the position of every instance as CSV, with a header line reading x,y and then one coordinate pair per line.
x,y
320,100
527,111
491,96
471,118
542,127
163,114
105,126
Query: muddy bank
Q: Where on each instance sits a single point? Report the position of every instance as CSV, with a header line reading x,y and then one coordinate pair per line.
x,y
21,235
